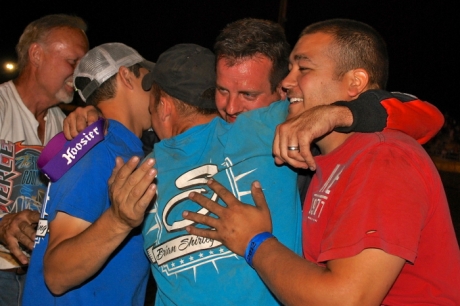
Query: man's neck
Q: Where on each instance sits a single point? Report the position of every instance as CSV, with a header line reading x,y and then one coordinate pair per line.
x,y
35,100
332,141
187,123
33,96
120,111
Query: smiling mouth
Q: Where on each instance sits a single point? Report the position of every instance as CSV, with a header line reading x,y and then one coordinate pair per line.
x,y
69,83
231,118
295,100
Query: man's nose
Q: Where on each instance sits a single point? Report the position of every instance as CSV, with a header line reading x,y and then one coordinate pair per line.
x,y
289,81
234,105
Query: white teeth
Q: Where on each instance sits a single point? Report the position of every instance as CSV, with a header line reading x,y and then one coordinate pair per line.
x,y
293,100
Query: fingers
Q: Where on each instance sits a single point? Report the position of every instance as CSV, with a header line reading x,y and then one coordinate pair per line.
x,y
146,199
202,219
70,126
307,156
92,115
131,190
20,228
143,191
209,204
118,164
128,182
17,252
78,120
122,171
27,236
207,233
258,196
31,216
226,196
285,137
141,178
276,148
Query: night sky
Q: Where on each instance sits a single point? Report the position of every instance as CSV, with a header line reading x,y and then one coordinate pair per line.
x,y
421,36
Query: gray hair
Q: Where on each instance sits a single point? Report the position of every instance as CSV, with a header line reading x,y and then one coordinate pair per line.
x,y
38,31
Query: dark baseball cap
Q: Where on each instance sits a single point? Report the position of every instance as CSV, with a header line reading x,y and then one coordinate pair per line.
x,y
185,72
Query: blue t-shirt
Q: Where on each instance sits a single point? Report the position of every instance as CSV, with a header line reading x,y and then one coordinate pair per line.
x,y
83,193
191,270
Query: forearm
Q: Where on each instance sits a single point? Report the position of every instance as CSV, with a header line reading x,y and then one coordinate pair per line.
x,y
345,281
294,280
376,110
297,281
72,261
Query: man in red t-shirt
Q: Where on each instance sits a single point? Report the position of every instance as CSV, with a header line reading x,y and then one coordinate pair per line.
x,y
376,227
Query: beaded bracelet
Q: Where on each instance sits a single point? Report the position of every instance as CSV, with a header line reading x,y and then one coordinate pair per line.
x,y
254,244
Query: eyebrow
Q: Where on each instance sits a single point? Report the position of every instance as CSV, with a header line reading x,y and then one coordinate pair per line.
x,y
299,57
249,91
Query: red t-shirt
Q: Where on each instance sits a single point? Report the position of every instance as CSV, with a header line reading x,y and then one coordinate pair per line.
x,y
386,184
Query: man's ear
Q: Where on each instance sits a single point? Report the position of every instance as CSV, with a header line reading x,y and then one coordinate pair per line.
x,y
35,54
125,76
358,82
165,108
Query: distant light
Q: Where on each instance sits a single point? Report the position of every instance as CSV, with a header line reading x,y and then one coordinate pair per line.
x,y
10,66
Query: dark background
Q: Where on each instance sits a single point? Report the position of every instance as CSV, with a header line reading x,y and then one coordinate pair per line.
x,y
420,35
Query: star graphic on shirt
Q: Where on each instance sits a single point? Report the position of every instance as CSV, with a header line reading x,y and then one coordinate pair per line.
x,y
233,180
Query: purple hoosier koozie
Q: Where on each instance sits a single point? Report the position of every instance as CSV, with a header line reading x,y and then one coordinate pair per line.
x,y
60,155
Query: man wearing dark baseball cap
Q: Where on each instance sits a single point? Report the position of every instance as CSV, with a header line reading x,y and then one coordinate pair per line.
x,y
93,253
198,145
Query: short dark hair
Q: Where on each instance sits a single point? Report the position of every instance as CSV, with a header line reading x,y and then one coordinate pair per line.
x,y
356,45
249,37
106,90
38,31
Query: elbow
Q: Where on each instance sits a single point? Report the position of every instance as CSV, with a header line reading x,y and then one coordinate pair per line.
x,y
54,283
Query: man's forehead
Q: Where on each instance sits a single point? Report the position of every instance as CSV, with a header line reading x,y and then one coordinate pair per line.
x,y
68,39
233,61
310,46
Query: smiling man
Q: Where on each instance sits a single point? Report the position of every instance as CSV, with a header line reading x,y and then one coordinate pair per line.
x,y
196,144
48,51
252,60
376,224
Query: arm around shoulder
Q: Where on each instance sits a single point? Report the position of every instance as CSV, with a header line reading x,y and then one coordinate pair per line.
x,y
376,110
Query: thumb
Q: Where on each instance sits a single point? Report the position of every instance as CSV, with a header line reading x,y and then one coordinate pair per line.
x,y
258,196
118,164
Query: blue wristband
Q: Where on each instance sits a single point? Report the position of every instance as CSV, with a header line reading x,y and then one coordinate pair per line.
x,y
254,244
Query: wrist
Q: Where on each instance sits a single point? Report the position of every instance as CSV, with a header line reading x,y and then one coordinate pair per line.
x,y
254,244
118,225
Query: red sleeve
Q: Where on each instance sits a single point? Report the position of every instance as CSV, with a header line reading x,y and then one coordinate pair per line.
x,y
417,118
376,110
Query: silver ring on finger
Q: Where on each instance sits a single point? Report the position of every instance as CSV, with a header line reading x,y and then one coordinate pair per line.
x,y
293,148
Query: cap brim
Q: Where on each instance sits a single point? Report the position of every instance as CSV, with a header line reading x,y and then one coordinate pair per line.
x,y
147,81
147,65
